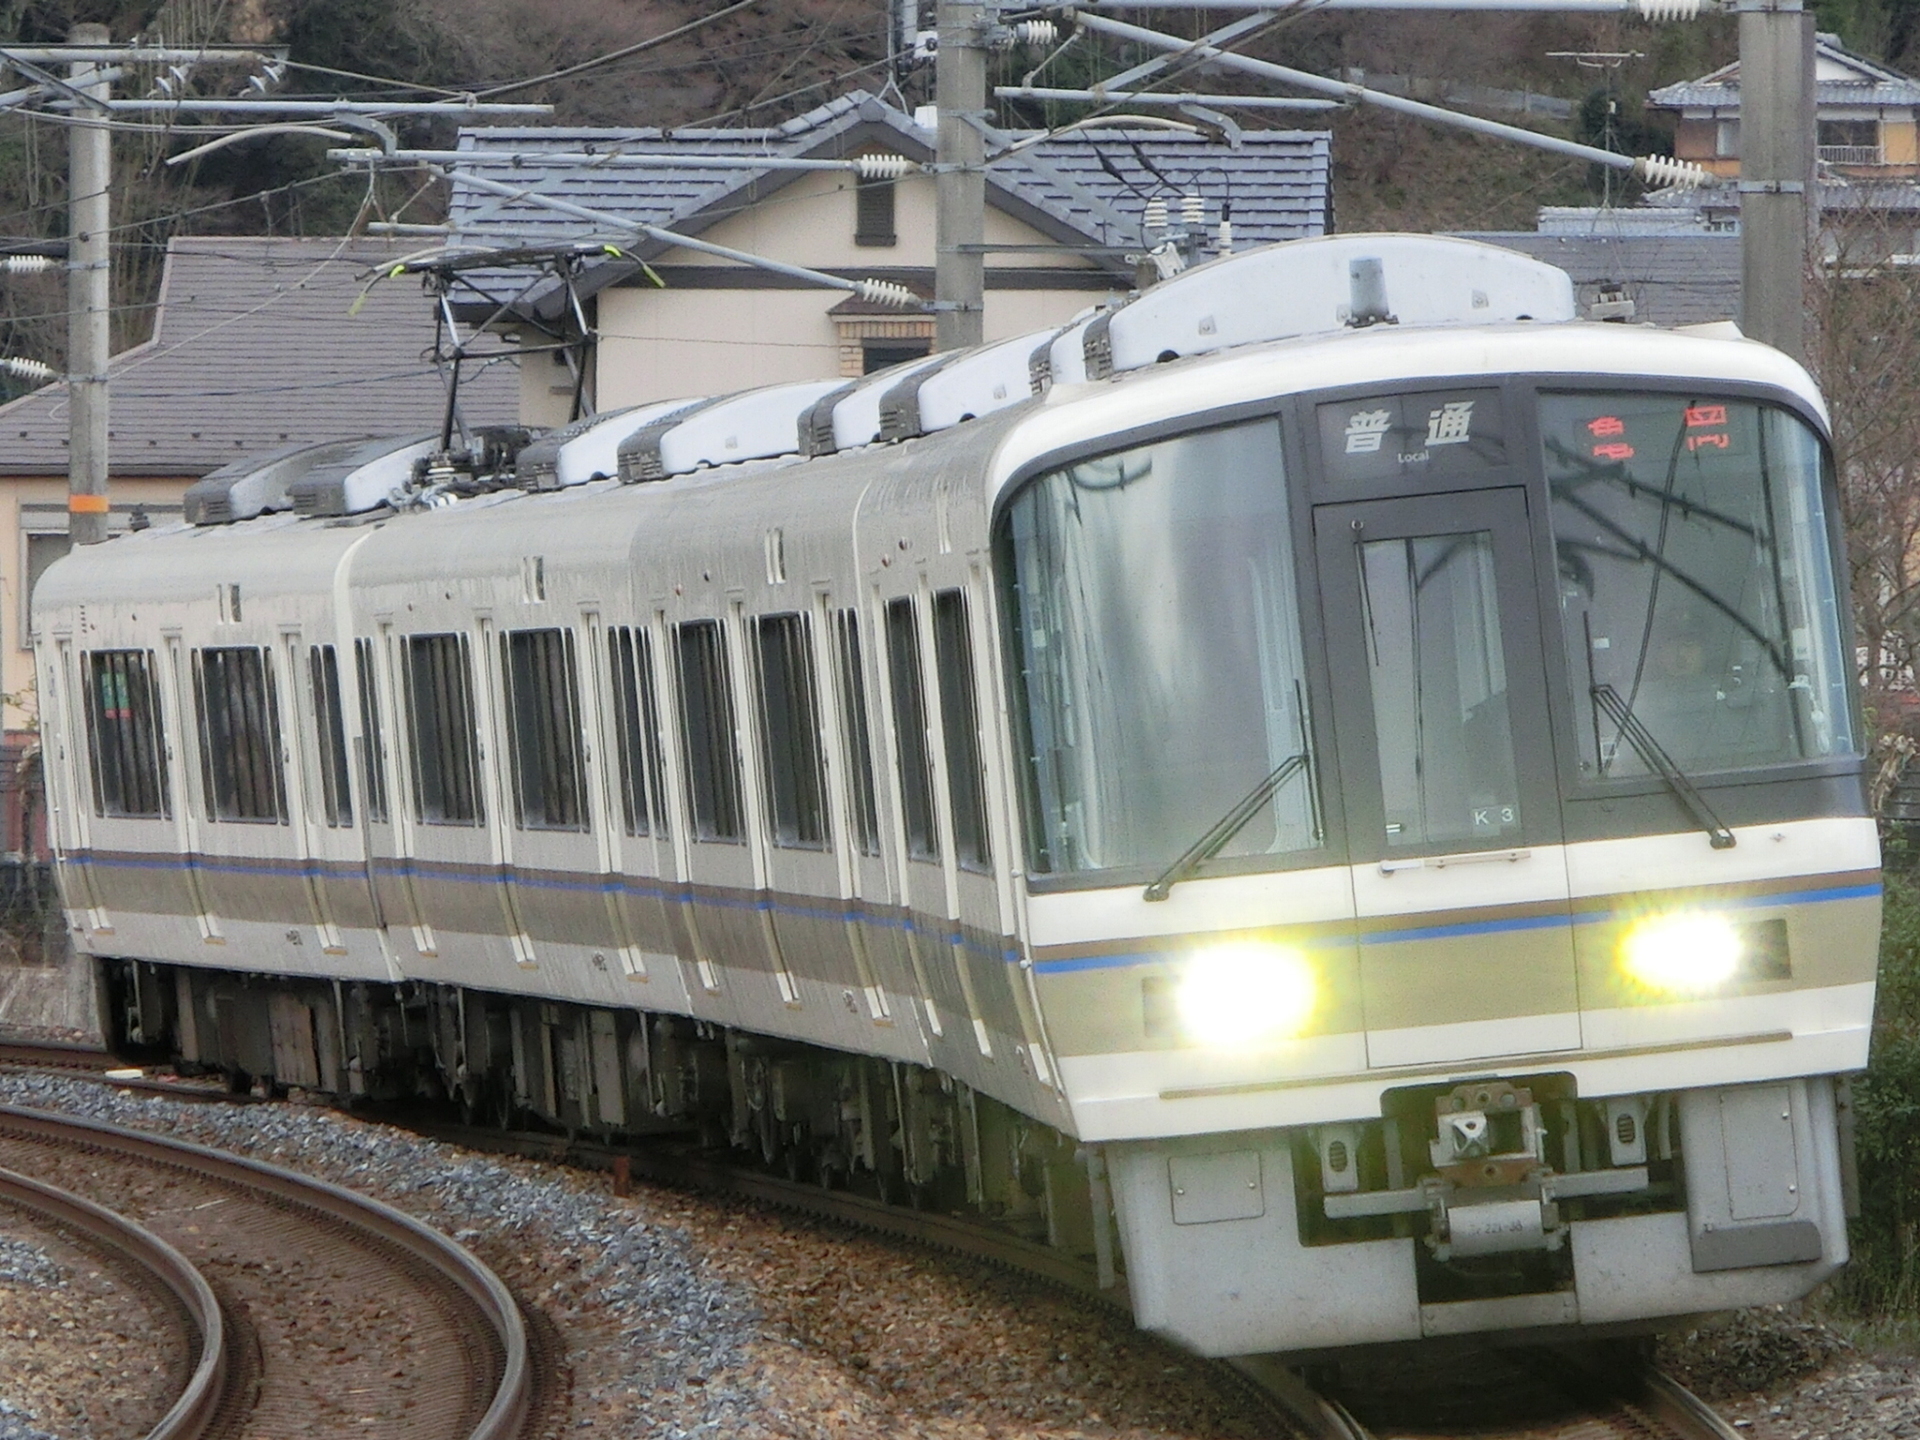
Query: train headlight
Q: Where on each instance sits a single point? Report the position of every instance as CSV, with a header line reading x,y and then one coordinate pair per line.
x,y
1246,993
1686,952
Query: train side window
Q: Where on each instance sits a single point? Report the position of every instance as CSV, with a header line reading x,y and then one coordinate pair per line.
x,y
857,731
440,719
910,725
710,750
790,733
330,721
543,712
959,721
234,693
123,735
373,764
636,711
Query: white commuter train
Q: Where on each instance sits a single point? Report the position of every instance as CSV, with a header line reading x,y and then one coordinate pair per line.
x,y
1334,786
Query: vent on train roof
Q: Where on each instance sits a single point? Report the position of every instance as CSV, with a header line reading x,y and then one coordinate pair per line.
x,y
260,483
754,425
1307,287
368,475
587,449
816,423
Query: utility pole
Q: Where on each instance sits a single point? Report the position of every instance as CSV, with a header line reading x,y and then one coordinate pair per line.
x,y
89,186
960,182
1779,205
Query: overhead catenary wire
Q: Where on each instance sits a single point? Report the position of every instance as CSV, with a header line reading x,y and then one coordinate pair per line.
x,y
620,54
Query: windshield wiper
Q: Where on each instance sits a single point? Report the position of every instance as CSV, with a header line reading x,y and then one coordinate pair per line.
x,y
1225,828
1656,759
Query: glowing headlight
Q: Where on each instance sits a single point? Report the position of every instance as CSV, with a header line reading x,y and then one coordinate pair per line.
x,y
1245,994
1685,953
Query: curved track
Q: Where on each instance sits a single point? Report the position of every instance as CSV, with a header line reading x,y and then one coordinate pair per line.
x,y
117,1237
342,1315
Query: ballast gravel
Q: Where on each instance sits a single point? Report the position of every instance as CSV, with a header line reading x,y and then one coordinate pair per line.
x,y
684,1316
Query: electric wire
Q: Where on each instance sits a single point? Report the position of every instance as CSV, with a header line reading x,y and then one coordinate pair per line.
x,y
619,54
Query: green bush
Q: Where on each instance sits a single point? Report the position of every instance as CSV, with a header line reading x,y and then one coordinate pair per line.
x,y
1884,1279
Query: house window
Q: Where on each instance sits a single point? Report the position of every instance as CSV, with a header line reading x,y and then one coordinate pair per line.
x,y
233,692
330,724
543,726
873,212
790,734
373,762
882,354
441,718
910,728
706,728
1726,143
123,733
857,733
959,721
636,711
1849,142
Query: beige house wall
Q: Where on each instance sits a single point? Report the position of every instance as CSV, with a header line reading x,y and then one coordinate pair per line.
x,y
1898,138
37,506
660,344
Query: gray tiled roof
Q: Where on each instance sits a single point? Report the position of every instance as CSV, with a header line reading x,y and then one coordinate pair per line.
x,y
257,346
1672,279
1873,83
1086,187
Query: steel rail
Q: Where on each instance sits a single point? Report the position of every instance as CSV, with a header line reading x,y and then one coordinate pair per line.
x,y
201,1397
506,1415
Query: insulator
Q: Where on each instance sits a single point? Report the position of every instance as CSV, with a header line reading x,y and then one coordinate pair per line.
x,y
1156,216
1661,172
1226,237
1668,9
1193,209
1037,32
887,292
883,167
28,369
28,264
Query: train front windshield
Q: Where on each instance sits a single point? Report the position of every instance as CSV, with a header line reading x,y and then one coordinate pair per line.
x,y
1696,581
1152,611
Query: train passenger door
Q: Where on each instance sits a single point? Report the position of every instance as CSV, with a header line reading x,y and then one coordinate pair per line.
x,y
1447,776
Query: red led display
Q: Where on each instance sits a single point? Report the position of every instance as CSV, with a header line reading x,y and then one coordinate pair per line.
x,y
1606,425
1699,417
1615,451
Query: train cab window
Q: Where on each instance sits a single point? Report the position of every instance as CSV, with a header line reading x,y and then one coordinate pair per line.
x,y
910,726
959,722
330,725
1697,582
1155,655
373,764
636,711
857,732
445,747
710,747
543,730
123,735
790,733
235,695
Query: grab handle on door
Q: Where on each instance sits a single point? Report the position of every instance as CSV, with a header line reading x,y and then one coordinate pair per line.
x,y
1441,862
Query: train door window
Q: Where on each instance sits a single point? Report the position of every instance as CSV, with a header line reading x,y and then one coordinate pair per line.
x,y
910,726
330,721
710,749
543,713
1439,684
123,735
234,694
636,710
441,721
959,720
856,731
790,733
373,764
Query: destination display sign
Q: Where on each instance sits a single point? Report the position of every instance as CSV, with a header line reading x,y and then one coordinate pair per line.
x,y
1408,437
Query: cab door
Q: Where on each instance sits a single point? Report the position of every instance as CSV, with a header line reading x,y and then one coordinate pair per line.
x,y
1448,777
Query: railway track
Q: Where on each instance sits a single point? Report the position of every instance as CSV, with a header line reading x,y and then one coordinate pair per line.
x,y
1589,1393
1585,1394
336,1314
